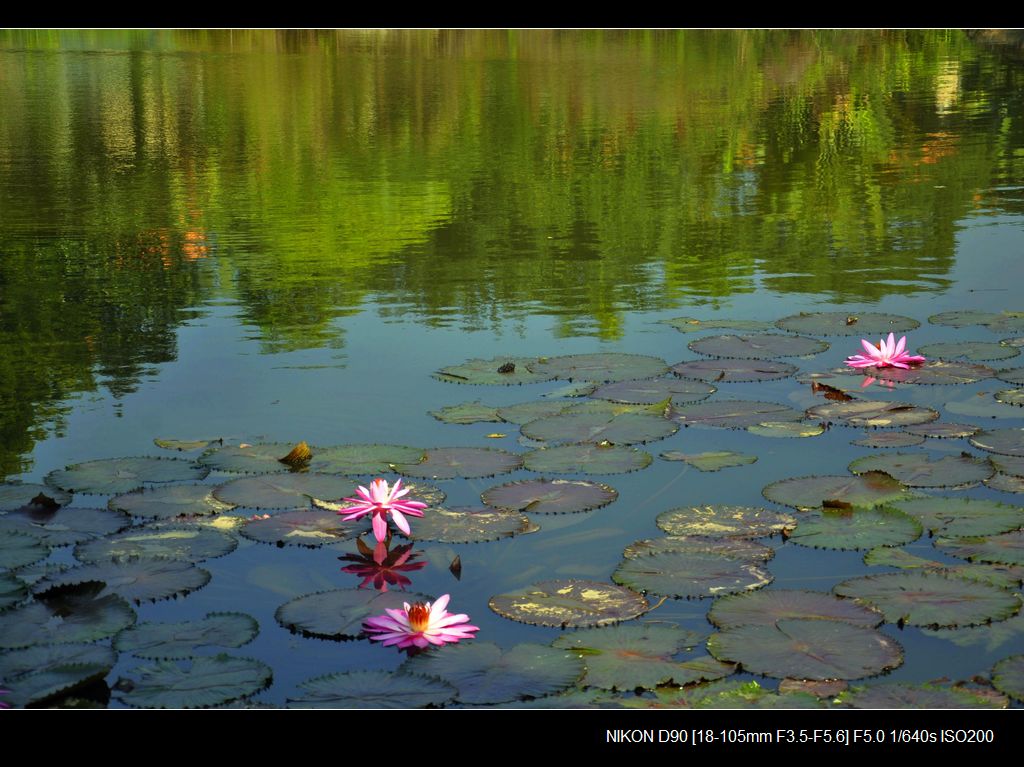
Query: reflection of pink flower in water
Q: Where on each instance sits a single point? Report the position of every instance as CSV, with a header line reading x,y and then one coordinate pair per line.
x,y
888,353
868,380
420,625
382,567
379,501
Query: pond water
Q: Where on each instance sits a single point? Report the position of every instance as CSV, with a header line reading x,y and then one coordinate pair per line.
x,y
280,237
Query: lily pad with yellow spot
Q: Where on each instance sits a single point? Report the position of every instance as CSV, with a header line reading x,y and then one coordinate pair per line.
x,y
303,528
570,604
738,548
688,575
725,521
193,544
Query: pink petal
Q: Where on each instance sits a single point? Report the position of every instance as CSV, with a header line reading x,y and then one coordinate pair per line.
x,y
380,527
871,350
401,521
439,605
901,346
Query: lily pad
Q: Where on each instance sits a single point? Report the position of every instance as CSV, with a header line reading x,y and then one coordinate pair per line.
x,y
737,548
601,367
1005,548
465,462
186,445
65,525
725,521
808,649
919,470
582,389
735,414
525,412
1008,676
691,325
846,323
170,502
77,613
15,495
901,695
570,604
39,673
122,475
787,429
550,496
467,412
972,351
12,590
889,439
624,429
1010,397
339,614
1003,576
768,606
483,673
1002,441
713,461
856,529
988,636
180,640
302,528
263,458
186,544
999,322
935,372
942,430
688,575
931,599
500,371
762,346
373,689
981,406
1006,483
1012,376
363,459
283,491
873,488
471,525
872,413
1007,464
586,459
958,517
726,694
654,390
18,549
733,371
418,491
137,580
206,681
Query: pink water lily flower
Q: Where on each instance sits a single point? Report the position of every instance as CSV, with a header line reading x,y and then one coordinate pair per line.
x,y
380,500
888,353
420,625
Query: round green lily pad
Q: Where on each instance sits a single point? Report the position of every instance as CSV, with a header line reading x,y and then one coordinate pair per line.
x,y
122,475
263,458
733,370
1008,676
75,613
1006,483
185,445
762,346
65,525
36,674
12,590
942,430
1012,376
726,694
373,689
889,439
807,649
1004,548
18,549
972,351
931,599
872,413
872,488
787,429
601,367
14,495
465,462
689,575
901,695
499,371
737,548
712,461
919,470
483,673
691,325
525,412
302,528
958,517
624,429
768,606
725,521
137,580
1002,441
856,529
999,322
205,681
586,459
467,412
170,502
934,372
363,459
186,544
734,414
654,390
570,604
471,525
1008,464
550,496
159,641
339,614
846,323
418,491
981,406
1011,397
283,491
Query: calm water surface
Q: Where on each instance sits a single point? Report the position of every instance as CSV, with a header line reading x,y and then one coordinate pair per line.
x,y
275,237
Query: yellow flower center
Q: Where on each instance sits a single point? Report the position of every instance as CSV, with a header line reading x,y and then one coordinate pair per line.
x,y
419,617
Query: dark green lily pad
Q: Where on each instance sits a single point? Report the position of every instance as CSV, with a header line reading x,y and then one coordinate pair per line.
x,y
18,549
1002,441
39,673
137,580
303,528
1008,676
586,459
1012,376
483,673
689,575
933,373
488,372
530,411
655,390
12,590
283,491
639,656
889,439
872,488
187,544
981,406
901,695
872,413
931,599
601,367
989,636
856,529
713,461
363,459
999,322
186,445
919,470
550,496
158,641
787,429
1005,548
958,517
471,525
725,521
373,689
725,694
808,649
467,412
735,414
465,462
972,351
206,681
691,325
942,430
733,371
15,495
1006,483
339,614
1011,397
737,548
77,613
1003,576
1007,464
170,502
768,606
65,525
263,458
846,323
122,475
624,429
570,604
761,346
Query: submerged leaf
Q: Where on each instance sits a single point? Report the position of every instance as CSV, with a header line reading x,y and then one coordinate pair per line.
x,y
185,445
570,603
787,429
714,461
12,590
888,439
363,459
